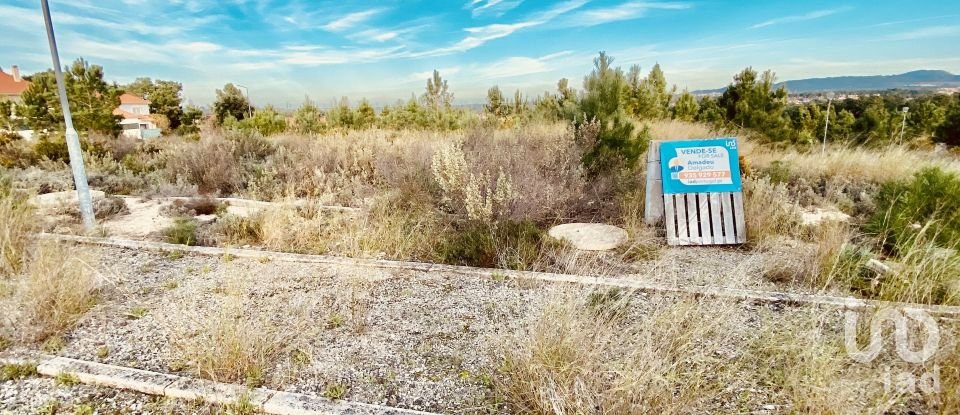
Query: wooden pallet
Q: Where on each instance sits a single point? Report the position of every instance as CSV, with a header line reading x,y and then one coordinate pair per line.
x,y
704,218
693,218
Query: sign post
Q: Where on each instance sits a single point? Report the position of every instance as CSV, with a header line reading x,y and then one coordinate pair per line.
x,y
701,191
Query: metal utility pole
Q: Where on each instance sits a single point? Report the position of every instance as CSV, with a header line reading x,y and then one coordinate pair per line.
x,y
249,104
903,125
73,139
826,124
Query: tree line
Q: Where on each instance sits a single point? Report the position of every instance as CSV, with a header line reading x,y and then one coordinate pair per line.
x,y
610,97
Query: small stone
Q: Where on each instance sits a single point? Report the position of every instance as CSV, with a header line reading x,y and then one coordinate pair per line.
x,y
818,215
590,236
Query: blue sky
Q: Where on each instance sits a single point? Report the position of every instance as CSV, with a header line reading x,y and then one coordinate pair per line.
x,y
384,51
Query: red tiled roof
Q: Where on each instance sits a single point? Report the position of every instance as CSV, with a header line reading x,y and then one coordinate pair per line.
x,y
9,87
132,99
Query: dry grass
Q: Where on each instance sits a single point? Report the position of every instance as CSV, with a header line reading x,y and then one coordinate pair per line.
x,y
57,288
230,344
16,224
582,356
598,356
768,211
878,165
681,130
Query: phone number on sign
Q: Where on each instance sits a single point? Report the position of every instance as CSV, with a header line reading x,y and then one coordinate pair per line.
x,y
704,174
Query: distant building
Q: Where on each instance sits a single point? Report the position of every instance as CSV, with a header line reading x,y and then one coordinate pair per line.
x,y
12,85
137,121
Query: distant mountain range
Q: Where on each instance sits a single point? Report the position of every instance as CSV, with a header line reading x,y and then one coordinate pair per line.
x,y
913,80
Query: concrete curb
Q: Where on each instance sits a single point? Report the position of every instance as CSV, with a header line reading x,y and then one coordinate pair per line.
x,y
848,303
162,384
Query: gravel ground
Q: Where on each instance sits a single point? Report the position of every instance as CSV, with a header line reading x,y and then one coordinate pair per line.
x,y
419,340
42,396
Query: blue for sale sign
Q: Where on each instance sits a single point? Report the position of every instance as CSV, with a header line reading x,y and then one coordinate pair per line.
x,y
695,166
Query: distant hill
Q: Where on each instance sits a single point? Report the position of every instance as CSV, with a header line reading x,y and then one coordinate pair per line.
x,y
919,79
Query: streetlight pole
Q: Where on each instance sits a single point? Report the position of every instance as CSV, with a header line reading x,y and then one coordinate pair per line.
x,y
826,124
249,104
73,139
903,124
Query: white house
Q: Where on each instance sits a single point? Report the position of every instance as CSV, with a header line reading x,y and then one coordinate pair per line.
x,y
137,121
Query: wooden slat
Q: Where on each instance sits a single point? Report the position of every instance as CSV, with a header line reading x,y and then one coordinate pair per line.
x,y
729,237
680,207
706,235
670,219
693,223
716,221
738,217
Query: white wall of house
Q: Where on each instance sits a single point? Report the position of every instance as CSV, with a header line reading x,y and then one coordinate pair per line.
x,y
142,109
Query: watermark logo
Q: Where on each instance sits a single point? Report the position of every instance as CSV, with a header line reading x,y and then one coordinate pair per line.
x,y
904,382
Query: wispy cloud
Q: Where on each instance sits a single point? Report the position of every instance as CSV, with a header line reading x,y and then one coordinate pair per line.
x,y
492,7
479,35
927,33
817,14
350,20
520,66
625,11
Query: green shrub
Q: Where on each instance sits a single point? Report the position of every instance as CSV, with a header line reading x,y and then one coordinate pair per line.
x,y
183,231
507,244
905,208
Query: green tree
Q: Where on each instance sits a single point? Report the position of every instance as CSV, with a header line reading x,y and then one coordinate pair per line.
x,y
602,102
190,120
924,117
876,124
230,102
710,112
438,96
366,115
496,104
164,97
308,119
266,121
949,131
519,102
341,115
751,101
91,100
686,107
39,104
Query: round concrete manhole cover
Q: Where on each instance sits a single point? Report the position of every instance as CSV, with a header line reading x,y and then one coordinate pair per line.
x,y
590,236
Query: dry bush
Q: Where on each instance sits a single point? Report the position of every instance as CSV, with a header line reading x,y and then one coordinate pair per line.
x,y
230,344
589,356
16,224
768,211
342,169
57,288
209,163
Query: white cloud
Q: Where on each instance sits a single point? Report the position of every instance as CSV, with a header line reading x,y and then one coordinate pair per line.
x,y
423,76
626,11
927,33
350,20
483,34
520,66
493,7
800,17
